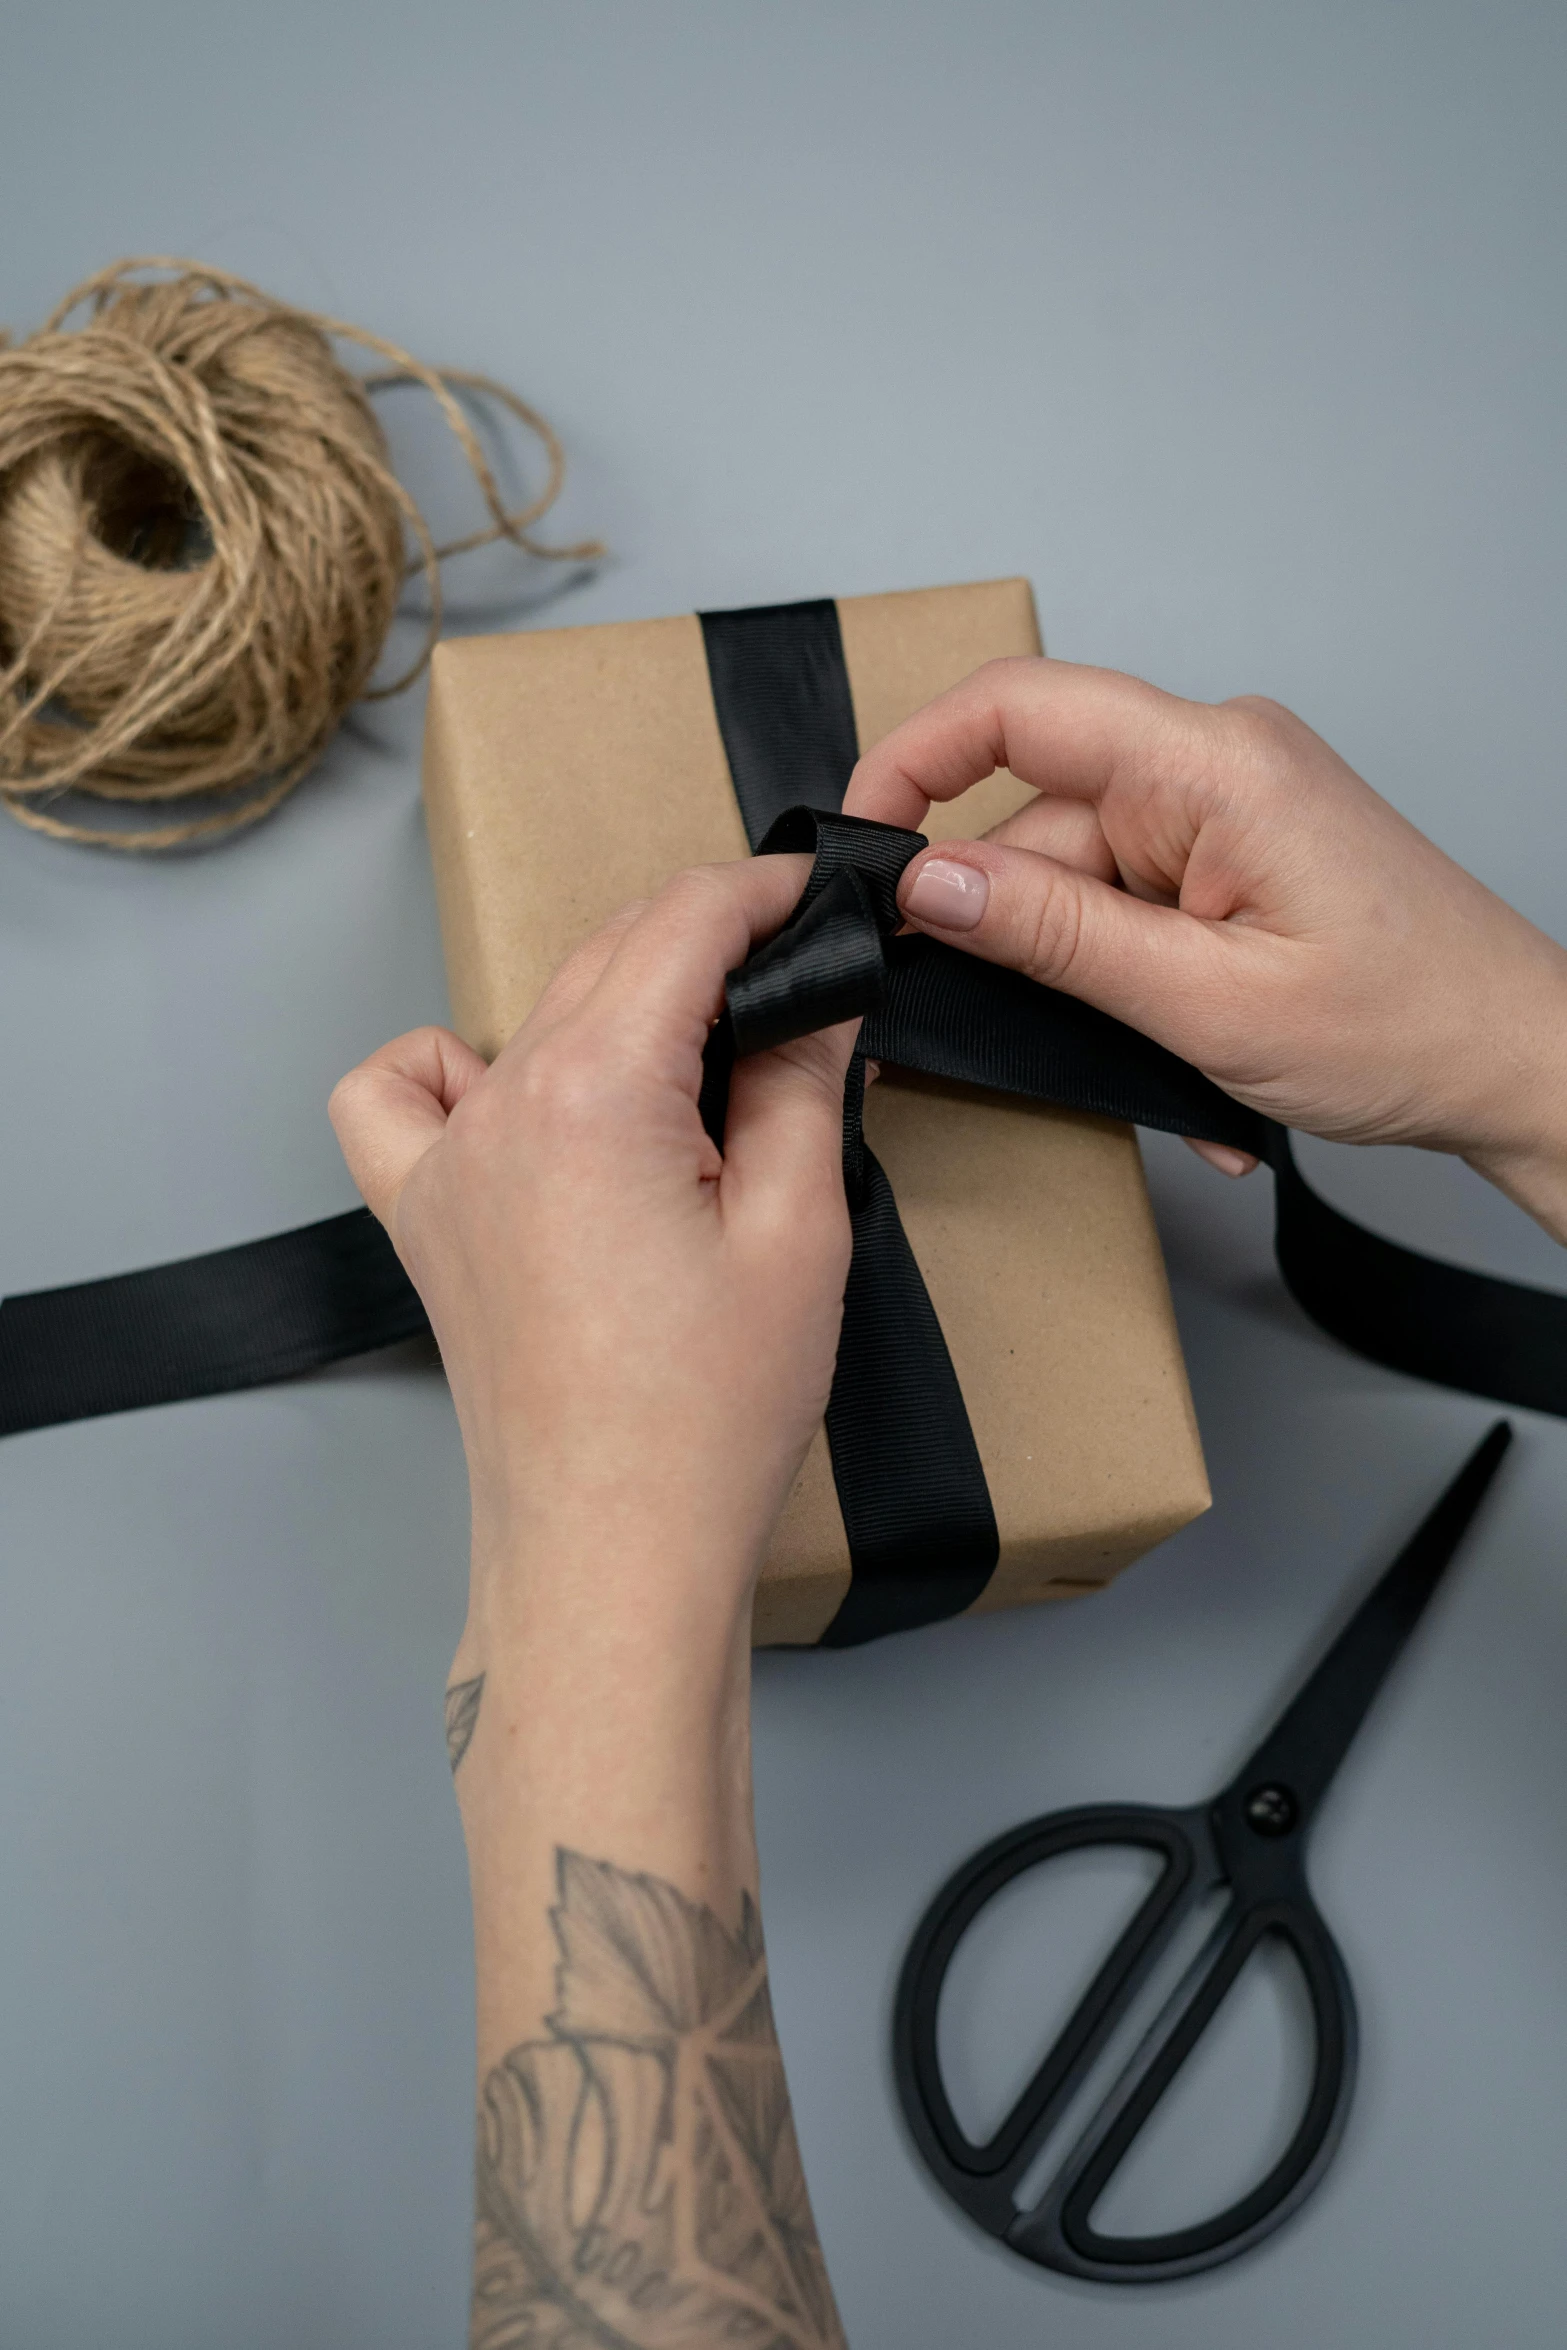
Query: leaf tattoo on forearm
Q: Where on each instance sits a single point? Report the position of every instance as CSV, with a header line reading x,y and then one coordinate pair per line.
x,y
462,1712
638,2180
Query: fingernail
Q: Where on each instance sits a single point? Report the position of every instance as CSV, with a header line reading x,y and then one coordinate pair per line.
x,y
952,896
1228,1161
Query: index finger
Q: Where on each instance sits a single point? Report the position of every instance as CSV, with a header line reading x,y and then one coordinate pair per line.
x,y
1063,728
664,983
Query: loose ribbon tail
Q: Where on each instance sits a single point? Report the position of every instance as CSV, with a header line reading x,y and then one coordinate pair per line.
x,y
1441,1322
241,1317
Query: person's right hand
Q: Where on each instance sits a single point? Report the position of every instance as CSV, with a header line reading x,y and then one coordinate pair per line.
x,y
1217,877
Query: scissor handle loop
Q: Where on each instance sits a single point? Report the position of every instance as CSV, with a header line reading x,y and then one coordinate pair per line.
x,y
1059,2231
982,2178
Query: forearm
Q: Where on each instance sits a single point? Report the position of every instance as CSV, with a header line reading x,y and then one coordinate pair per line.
x,y
637,2171
596,1272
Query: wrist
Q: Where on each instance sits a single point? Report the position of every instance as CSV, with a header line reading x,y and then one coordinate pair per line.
x,y
1522,1147
587,1581
580,1724
614,1727
608,1645
1534,1179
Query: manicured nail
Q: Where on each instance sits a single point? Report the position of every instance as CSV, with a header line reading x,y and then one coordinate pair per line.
x,y
952,896
1222,1156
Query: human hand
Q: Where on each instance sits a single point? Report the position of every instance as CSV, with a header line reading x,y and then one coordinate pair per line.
x,y
639,1332
1217,877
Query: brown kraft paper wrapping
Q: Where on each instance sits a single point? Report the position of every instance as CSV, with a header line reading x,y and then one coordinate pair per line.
x,y
569,770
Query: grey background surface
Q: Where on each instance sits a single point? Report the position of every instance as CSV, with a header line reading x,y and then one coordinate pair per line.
x,y
1239,329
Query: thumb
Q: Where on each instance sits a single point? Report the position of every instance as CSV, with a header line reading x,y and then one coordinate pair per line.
x,y
388,1111
783,1138
1155,967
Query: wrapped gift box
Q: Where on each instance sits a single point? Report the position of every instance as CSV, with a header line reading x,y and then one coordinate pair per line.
x,y
569,770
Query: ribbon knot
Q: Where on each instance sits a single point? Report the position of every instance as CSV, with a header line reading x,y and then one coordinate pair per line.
x,y
829,962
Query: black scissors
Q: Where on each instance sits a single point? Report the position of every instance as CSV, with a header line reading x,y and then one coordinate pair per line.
x,y
1247,1843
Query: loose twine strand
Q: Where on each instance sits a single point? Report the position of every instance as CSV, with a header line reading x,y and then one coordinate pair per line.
x,y
202,546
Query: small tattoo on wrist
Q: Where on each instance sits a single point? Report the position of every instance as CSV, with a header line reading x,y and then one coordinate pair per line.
x,y
462,1712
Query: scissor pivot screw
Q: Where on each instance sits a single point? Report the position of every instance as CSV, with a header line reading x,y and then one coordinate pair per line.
x,y
1272,1811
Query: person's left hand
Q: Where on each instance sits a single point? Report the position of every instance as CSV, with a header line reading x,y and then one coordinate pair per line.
x,y
639,1332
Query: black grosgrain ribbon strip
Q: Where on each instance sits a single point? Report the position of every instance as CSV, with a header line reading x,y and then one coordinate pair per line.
x,y
916,1508
921,1533
785,712
242,1317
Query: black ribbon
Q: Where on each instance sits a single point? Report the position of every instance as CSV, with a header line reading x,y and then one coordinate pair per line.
x,y
922,1536
241,1317
785,711
916,1508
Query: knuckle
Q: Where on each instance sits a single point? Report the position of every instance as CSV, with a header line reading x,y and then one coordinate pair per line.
x,y
1166,736
998,692
699,888
583,965
352,1098
702,902
1264,731
414,1048
802,1236
1006,668
1261,706
564,1088
607,935
820,1062
476,1128
1053,935
718,907
624,918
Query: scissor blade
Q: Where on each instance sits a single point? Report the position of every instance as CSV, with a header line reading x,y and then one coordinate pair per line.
x,y
1306,1746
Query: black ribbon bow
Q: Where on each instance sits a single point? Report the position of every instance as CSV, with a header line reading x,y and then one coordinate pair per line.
x,y
921,1531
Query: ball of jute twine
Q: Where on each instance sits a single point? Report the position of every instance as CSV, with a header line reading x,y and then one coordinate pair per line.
x,y
202,546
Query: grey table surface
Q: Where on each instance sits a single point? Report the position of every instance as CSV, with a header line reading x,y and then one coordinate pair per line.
x,y
1241,331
